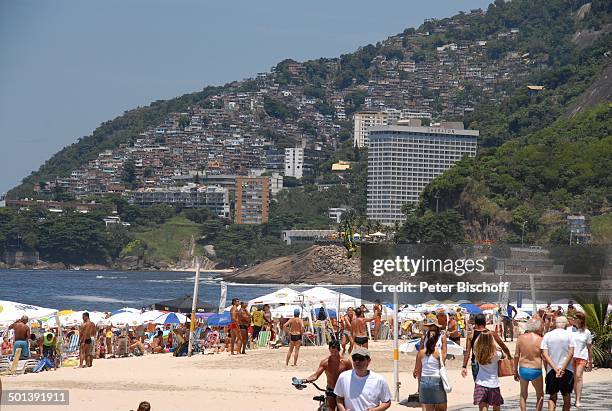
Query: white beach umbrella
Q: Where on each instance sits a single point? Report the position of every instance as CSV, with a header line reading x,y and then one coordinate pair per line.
x,y
283,296
318,295
125,318
150,316
410,315
11,311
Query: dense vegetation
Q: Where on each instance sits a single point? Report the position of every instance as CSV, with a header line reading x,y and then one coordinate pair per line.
x,y
531,182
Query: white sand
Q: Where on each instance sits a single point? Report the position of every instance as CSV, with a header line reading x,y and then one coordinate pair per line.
x,y
256,381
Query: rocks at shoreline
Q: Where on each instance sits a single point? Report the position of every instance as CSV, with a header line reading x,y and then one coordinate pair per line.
x,y
316,264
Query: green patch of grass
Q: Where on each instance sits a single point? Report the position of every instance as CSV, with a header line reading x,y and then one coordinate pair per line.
x,y
171,240
601,228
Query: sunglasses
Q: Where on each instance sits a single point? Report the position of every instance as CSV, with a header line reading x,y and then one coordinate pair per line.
x,y
359,358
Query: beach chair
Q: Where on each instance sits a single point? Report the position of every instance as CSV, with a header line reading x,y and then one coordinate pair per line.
x,y
26,366
309,339
72,348
263,339
12,368
199,344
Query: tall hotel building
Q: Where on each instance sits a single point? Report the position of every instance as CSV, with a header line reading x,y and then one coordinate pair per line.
x,y
402,160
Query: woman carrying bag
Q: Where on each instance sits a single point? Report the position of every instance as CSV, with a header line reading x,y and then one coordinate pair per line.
x,y
486,390
430,371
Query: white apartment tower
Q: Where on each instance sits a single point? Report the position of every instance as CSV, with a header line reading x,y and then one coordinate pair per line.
x,y
294,162
363,121
402,160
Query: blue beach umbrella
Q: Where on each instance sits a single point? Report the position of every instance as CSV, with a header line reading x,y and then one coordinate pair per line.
x,y
219,320
471,308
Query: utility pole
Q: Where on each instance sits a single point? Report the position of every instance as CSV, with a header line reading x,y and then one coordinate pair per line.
x,y
194,306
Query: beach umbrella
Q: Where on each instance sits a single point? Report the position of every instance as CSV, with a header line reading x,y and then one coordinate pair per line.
x,y
150,316
489,311
125,310
410,316
471,308
489,306
171,318
71,318
219,320
179,305
286,311
318,295
283,296
11,311
125,318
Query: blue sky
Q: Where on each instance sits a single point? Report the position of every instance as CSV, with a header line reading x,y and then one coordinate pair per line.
x,y
68,65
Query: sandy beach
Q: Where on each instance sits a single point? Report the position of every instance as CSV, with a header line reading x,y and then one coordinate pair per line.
x,y
256,381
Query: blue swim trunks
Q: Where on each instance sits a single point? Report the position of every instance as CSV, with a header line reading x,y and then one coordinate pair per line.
x,y
530,374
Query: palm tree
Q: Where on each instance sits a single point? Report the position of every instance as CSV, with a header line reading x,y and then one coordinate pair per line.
x,y
600,324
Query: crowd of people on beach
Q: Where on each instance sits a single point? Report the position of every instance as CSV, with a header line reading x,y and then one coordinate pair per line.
x,y
555,340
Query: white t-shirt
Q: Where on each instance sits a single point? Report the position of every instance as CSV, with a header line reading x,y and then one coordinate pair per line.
x,y
361,393
487,373
558,342
582,338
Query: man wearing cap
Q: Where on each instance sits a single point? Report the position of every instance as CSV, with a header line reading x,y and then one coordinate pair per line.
x,y
295,328
332,365
361,389
22,333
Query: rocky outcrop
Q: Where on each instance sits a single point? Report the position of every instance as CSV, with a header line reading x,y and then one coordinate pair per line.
x,y
314,265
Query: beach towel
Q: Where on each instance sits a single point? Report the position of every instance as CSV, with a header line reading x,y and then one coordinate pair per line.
x,y
43,365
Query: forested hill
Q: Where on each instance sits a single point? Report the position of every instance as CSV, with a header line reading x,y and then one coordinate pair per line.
x,y
473,67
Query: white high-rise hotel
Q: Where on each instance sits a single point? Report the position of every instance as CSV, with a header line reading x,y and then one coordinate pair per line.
x,y
402,160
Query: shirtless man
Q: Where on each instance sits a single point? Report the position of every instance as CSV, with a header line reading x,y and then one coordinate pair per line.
x,y
295,328
528,364
234,330
358,328
22,333
87,341
347,336
244,319
332,366
377,320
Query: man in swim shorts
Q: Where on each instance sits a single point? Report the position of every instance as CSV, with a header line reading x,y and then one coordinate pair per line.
x,y
528,364
235,337
22,333
332,366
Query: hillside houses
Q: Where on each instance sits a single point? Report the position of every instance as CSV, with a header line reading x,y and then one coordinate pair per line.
x,y
246,127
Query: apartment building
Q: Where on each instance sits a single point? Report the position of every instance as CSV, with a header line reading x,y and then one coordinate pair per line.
x,y
402,160
215,198
294,162
252,200
363,121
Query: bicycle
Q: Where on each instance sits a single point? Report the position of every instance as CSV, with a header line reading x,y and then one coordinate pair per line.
x,y
322,399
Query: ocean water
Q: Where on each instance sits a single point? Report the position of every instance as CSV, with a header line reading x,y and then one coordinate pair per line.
x,y
111,290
